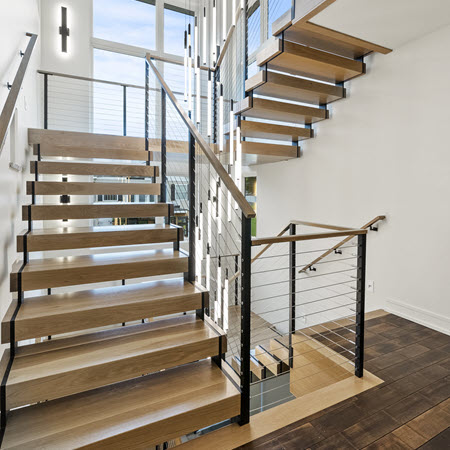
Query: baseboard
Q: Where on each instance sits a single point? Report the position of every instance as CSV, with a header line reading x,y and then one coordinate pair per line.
x,y
429,319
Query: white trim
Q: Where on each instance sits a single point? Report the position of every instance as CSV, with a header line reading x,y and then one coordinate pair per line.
x,y
427,318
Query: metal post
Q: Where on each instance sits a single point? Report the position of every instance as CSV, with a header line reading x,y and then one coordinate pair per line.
x,y
246,258
45,101
245,44
360,305
163,195
236,282
146,118
191,227
292,266
124,110
214,104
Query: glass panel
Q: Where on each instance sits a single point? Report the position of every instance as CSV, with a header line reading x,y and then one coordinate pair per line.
x,y
254,34
130,22
276,9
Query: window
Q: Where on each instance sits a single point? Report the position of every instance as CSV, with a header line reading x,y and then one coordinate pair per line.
x,y
254,28
276,9
130,22
176,20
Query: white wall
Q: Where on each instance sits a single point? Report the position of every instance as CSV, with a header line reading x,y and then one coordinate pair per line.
x,y
17,18
385,150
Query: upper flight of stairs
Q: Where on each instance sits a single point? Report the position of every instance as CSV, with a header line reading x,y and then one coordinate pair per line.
x,y
301,71
127,366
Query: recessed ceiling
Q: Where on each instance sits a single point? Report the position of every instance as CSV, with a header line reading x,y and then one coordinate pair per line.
x,y
391,23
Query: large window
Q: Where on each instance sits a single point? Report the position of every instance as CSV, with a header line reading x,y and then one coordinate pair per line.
x,y
130,22
176,20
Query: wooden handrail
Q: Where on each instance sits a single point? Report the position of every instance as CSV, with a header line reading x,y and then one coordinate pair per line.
x,y
237,195
10,104
332,249
306,237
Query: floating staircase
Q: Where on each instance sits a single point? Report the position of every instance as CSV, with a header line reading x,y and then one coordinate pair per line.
x,y
302,70
127,366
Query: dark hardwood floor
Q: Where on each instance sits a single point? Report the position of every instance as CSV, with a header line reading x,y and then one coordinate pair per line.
x,y
411,409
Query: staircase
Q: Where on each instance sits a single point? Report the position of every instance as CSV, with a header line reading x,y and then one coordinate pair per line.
x,y
302,70
93,382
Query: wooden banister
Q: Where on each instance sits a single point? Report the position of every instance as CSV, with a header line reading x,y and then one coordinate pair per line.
x,y
10,104
237,195
332,249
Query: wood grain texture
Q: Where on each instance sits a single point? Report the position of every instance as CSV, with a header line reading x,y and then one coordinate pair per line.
x,y
262,108
89,237
89,211
300,60
261,130
322,38
73,270
80,139
258,148
132,352
68,168
294,89
93,152
69,312
134,414
87,188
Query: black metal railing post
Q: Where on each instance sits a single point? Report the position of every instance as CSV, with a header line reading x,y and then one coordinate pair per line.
x,y
124,110
246,260
146,116
292,273
46,101
191,191
245,44
163,195
360,305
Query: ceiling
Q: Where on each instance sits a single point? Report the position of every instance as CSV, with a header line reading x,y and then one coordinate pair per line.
x,y
390,23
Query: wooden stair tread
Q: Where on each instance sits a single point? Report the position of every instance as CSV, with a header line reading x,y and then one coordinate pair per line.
x,y
42,372
258,148
93,152
89,188
263,130
70,168
282,111
264,357
73,311
300,60
96,236
79,138
332,41
92,211
278,85
72,270
133,414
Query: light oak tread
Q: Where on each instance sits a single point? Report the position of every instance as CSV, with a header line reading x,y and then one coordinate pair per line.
x,y
282,111
89,188
70,168
73,311
133,414
92,211
96,236
287,87
40,372
72,270
93,152
78,138
263,130
300,60
259,148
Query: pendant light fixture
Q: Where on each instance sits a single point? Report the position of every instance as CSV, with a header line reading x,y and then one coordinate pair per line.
x,y
224,19
214,34
204,36
221,116
209,112
231,133
185,65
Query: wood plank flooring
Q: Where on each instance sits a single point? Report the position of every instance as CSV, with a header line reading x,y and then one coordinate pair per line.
x,y
410,410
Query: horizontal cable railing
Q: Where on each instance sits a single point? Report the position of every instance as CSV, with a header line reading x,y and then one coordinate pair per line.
x,y
8,109
307,328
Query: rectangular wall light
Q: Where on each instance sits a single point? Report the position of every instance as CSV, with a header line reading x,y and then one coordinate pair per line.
x,y
63,30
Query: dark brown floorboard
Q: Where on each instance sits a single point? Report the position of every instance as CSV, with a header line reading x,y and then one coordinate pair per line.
x,y
410,410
